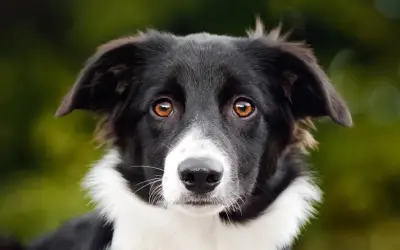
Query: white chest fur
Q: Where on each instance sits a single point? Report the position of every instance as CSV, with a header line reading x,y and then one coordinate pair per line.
x,y
138,226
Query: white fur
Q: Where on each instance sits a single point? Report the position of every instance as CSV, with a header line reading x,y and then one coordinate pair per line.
x,y
139,226
194,145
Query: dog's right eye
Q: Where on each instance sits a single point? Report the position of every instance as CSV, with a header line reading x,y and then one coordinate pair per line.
x,y
163,107
243,108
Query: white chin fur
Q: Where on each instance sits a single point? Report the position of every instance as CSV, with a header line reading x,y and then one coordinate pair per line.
x,y
198,210
138,225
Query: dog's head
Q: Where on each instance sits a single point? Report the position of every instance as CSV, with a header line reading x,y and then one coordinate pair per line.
x,y
201,121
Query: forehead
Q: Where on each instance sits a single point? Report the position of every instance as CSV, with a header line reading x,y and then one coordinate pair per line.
x,y
200,62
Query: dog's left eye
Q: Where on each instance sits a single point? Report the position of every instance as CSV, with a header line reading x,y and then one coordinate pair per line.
x,y
163,108
243,107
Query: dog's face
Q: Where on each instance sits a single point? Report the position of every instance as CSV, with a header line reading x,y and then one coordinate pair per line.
x,y
201,121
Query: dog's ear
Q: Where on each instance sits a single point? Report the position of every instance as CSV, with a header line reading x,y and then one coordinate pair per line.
x,y
305,85
108,75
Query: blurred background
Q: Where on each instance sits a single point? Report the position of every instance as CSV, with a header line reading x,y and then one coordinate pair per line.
x,y
44,43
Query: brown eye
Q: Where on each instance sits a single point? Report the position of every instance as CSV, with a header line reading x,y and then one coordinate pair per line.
x,y
243,108
163,108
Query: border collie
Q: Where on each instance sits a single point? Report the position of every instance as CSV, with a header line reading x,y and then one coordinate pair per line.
x,y
207,137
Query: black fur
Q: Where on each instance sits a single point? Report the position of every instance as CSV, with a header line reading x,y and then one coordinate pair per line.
x,y
89,232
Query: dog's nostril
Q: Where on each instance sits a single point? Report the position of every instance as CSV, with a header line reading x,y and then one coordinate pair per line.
x,y
213,178
188,177
200,175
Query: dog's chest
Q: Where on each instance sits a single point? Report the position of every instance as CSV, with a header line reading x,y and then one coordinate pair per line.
x,y
171,232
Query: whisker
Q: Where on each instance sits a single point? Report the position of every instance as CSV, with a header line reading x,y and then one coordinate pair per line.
x,y
237,203
227,212
160,197
148,184
145,181
153,194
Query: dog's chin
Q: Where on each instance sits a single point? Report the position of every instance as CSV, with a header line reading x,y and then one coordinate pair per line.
x,y
198,210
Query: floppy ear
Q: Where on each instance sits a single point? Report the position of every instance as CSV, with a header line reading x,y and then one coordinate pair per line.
x,y
305,85
106,77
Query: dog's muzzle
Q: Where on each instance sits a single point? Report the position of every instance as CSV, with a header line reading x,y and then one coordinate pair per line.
x,y
197,174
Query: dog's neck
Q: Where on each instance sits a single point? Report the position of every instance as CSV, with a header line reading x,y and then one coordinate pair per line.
x,y
140,226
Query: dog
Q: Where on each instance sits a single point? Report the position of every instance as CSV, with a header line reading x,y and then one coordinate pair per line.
x,y
207,139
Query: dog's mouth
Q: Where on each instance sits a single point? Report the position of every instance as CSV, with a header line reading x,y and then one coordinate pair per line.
x,y
199,200
199,203
199,207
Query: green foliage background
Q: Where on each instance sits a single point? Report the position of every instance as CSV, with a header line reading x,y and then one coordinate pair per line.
x,y
44,43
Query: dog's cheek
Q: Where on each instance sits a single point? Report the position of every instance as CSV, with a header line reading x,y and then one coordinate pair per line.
x,y
154,153
248,172
250,159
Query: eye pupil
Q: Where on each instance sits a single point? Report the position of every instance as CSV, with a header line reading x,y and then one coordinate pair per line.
x,y
164,106
243,106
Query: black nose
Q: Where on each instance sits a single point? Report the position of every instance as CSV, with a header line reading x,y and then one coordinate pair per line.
x,y
200,175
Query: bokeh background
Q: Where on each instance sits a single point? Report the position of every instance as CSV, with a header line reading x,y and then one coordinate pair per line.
x,y
43,44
